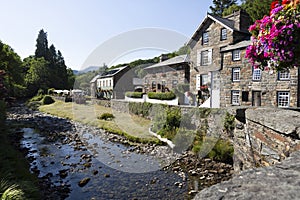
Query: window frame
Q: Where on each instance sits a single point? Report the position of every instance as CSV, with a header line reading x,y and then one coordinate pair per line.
x,y
235,101
254,70
284,78
205,38
281,103
223,34
234,58
236,77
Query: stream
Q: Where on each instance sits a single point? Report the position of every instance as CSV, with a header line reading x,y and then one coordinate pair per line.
x,y
76,161
66,166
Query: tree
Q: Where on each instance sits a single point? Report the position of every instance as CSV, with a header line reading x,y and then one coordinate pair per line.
x,y
42,45
220,6
37,76
11,63
257,9
231,9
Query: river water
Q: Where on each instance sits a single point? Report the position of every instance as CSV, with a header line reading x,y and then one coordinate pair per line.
x,y
114,170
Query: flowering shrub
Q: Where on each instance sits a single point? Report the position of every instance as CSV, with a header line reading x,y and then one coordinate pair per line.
x,y
276,38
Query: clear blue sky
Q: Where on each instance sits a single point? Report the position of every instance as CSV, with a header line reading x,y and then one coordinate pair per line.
x,y
77,28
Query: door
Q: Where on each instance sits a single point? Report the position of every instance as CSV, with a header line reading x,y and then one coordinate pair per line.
x,y
256,98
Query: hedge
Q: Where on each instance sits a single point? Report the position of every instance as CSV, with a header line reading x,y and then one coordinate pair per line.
x,y
162,95
134,94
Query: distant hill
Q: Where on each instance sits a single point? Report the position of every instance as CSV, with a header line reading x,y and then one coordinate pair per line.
x,y
88,69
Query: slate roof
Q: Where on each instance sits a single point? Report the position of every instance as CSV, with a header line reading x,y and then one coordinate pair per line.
x,y
171,61
238,45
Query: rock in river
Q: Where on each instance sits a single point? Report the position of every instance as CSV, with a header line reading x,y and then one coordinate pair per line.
x,y
83,182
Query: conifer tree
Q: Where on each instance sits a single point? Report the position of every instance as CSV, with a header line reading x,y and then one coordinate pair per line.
x,y
220,5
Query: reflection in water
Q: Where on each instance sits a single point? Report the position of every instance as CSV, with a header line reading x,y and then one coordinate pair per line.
x,y
115,171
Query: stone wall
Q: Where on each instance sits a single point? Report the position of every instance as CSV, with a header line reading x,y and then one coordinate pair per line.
x,y
267,137
268,86
262,136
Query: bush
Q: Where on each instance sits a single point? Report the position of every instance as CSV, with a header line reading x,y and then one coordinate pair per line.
x,y
68,99
47,100
229,123
141,109
2,113
134,94
106,116
222,151
37,98
162,95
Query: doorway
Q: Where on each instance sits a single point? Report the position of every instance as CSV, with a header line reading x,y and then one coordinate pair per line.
x,y
256,98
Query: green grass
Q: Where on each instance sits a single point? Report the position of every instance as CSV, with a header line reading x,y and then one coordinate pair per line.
x,y
14,170
133,127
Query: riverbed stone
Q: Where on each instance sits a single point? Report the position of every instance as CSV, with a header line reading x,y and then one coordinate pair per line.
x,y
83,182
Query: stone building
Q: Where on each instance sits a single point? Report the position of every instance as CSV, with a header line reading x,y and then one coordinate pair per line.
x,y
167,75
213,34
113,83
244,85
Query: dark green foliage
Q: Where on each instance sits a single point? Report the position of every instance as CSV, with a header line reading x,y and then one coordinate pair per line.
x,y
134,94
220,5
229,123
222,151
166,122
231,9
11,64
47,100
106,116
162,95
257,9
141,109
37,98
2,113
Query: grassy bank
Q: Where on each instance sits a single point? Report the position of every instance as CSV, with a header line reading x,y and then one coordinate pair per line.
x,y
14,170
133,127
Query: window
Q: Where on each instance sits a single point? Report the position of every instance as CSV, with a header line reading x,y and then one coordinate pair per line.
x,y
235,97
153,85
174,83
236,74
284,75
205,38
223,34
236,54
245,96
283,99
110,83
206,57
256,74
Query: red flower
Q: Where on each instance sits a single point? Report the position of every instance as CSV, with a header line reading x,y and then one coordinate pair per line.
x,y
273,4
285,2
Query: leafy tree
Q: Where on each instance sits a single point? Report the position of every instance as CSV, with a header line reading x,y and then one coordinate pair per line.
x,y
220,5
37,76
185,49
11,63
257,9
71,78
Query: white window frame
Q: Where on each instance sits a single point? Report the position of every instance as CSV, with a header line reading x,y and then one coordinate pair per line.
x,y
236,54
206,57
223,34
235,97
283,75
205,38
283,99
236,74
256,74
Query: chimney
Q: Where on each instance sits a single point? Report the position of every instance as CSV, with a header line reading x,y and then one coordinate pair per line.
x,y
163,57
